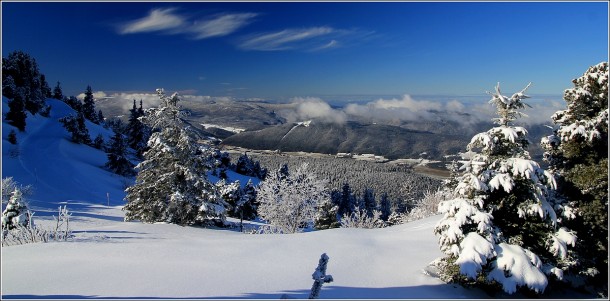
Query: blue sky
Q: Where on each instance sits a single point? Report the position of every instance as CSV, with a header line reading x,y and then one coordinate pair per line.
x,y
281,50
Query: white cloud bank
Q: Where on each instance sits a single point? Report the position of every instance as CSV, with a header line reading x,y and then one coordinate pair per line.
x,y
307,108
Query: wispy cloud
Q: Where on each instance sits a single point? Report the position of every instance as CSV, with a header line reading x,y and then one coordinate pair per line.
x,y
318,38
221,25
285,39
329,45
168,21
157,20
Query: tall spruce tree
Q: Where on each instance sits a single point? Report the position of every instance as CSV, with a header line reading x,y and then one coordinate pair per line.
x,y
501,227
16,115
89,106
117,157
136,130
578,155
57,92
172,184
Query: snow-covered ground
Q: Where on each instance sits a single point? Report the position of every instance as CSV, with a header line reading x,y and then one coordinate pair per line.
x,y
110,258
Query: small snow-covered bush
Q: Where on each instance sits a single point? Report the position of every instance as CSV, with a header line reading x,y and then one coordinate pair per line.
x,y
360,219
30,233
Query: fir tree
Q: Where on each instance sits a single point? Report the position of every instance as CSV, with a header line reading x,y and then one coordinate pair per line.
x,y
98,142
74,103
326,216
172,185
348,201
16,115
117,160
385,206
247,205
136,131
578,154
369,202
100,117
45,90
501,226
75,125
57,92
20,75
89,106
16,212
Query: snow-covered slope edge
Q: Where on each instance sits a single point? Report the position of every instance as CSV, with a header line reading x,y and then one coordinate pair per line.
x,y
124,260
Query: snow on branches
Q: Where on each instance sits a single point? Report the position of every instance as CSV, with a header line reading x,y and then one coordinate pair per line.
x,y
289,200
501,223
172,184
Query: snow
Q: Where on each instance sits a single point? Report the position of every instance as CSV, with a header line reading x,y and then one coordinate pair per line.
x,y
110,258
226,128
474,254
516,266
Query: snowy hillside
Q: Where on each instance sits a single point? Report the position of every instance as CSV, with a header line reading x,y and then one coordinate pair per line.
x,y
110,258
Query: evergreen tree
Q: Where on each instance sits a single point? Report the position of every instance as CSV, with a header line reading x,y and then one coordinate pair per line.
x,y
98,142
172,185
117,160
44,87
16,212
247,206
578,155
348,201
100,117
89,106
326,216
74,103
369,202
57,92
16,115
136,131
20,74
385,206
75,125
501,228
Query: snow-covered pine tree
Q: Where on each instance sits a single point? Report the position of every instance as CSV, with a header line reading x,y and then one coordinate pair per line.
x,y
326,216
172,184
89,106
288,201
16,212
117,159
246,207
578,154
500,228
